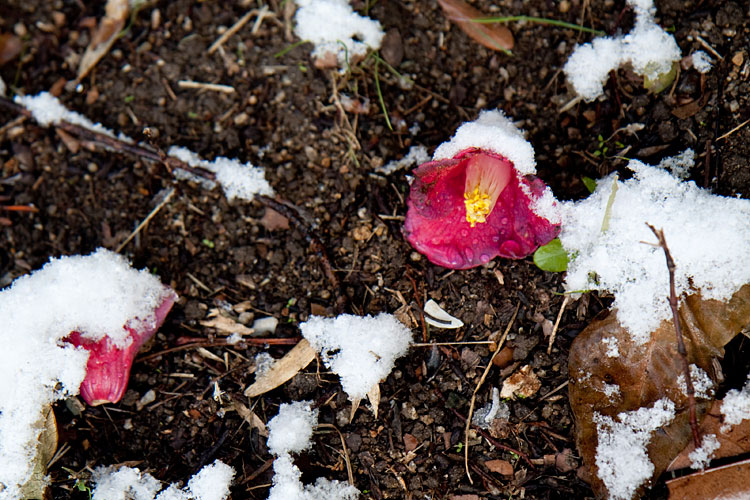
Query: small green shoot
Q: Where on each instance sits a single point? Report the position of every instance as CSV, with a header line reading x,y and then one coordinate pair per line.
x,y
81,486
539,20
459,447
206,242
380,96
129,98
192,114
602,149
589,183
288,48
551,257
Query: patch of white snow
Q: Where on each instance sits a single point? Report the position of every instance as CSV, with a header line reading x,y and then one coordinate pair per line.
x,y
621,456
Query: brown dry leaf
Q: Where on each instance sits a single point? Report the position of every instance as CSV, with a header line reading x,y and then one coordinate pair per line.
x,y
502,467
644,374
410,442
36,485
115,15
10,47
492,36
523,383
224,325
729,481
250,417
283,369
273,220
735,441
374,397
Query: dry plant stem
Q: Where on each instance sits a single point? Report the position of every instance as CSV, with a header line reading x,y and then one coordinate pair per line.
x,y
476,389
113,143
146,220
678,331
345,452
557,324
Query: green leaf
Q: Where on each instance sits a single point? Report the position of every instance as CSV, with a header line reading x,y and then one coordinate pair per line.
x,y
662,81
589,183
551,257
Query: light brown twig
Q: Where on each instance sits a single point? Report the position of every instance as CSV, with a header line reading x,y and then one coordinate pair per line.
x,y
476,389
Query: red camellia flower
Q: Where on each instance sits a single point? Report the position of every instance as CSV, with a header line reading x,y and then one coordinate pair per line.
x,y
108,367
466,210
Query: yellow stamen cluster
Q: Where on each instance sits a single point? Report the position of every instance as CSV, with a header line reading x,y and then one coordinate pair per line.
x,y
477,206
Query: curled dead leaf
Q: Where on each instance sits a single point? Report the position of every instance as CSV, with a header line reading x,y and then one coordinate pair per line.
x,y
283,369
523,383
493,36
610,374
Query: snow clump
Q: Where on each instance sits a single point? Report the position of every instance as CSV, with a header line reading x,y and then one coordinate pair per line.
x,y
701,61
360,350
334,28
48,110
239,180
290,431
735,407
649,49
701,457
125,483
621,453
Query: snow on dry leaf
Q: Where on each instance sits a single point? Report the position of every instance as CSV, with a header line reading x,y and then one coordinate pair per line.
x,y
361,350
95,295
126,483
621,459
708,327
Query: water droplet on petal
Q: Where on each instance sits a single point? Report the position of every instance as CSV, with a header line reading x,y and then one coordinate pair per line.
x,y
464,233
469,253
504,221
496,238
484,258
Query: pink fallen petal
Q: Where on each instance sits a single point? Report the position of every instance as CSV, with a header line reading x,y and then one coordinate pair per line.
x,y
108,367
466,210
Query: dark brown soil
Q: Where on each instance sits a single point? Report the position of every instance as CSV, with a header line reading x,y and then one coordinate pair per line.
x,y
281,116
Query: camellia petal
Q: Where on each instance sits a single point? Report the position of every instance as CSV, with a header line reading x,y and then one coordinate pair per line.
x,y
108,366
466,210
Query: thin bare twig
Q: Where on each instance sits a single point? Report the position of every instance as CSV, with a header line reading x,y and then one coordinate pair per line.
x,y
115,144
476,389
557,324
146,220
673,305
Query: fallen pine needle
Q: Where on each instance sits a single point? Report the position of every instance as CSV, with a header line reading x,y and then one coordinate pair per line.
x,y
476,389
189,84
557,324
146,220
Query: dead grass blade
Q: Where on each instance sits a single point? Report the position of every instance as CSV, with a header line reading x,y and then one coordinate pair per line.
x,y
283,369
116,13
492,36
